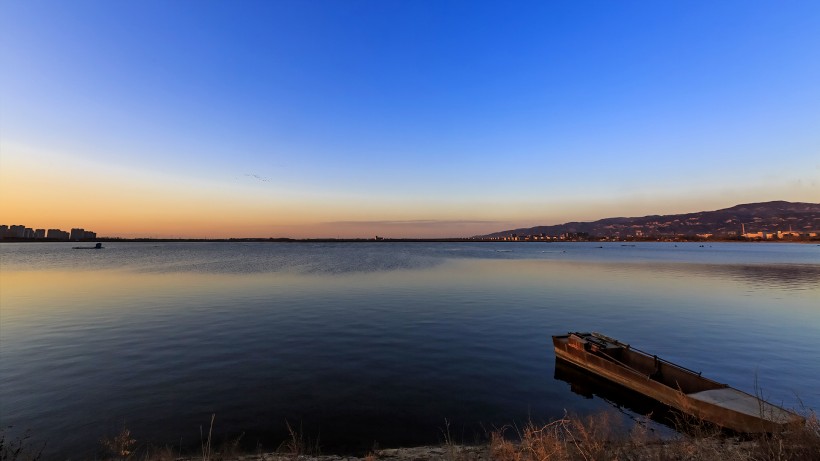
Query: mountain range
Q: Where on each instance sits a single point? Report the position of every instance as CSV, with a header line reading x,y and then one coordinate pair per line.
x,y
728,222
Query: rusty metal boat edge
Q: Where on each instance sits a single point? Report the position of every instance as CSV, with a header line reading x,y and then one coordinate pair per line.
x,y
672,384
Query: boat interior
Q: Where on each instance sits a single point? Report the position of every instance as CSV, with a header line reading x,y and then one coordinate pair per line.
x,y
651,366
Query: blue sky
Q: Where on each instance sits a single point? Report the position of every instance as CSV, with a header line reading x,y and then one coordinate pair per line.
x,y
414,118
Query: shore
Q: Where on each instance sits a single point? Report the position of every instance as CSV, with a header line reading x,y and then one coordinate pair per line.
x,y
595,437
631,240
795,448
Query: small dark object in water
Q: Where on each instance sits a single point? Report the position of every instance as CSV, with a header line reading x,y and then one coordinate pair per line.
x,y
98,246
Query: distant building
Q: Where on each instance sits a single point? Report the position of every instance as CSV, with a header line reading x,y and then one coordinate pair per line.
x,y
90,235
4,230
17,231
77,234
57,234
39,233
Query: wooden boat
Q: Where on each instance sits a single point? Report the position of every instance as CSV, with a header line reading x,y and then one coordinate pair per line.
x,y
671,384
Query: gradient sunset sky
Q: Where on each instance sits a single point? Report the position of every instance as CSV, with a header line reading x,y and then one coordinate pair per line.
x,y
408,118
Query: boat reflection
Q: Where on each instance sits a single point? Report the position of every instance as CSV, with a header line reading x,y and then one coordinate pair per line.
x,y
635,405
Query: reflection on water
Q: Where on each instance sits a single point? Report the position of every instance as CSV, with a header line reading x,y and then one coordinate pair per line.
x,y
791,277
375,342
638,407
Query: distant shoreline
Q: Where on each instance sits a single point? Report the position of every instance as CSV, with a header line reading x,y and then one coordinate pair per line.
x,y
681,239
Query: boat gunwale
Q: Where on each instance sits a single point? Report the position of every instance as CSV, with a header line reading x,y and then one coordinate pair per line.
x,y
627,347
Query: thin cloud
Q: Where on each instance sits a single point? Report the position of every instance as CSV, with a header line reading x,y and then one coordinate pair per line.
x,y
257,177
413,222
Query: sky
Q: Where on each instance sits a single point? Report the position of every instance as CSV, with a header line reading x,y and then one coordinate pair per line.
x,y
348,118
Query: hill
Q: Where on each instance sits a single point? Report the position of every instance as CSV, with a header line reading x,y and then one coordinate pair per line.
x,y
766,217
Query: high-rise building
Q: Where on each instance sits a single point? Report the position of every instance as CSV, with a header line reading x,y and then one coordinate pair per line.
x,y
57,234
77,233
17,231
39,233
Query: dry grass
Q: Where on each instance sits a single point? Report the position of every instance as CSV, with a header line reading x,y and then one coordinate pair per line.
x,y
298,444
123,447
598,437
591,438
454,451
120,446
799,443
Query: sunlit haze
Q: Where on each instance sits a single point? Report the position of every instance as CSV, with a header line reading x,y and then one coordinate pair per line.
x,y
399,118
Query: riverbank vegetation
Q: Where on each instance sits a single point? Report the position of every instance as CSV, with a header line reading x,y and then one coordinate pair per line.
x,y
592,438
599,437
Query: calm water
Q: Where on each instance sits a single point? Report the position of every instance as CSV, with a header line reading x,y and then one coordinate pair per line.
x,y
375,343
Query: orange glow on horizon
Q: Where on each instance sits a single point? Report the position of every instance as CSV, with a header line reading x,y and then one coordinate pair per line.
x,y
46,190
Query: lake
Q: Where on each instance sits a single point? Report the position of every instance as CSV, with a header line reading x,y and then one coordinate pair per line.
x,y
363,344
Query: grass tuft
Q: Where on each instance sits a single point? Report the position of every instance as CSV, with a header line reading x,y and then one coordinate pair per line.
x,y
298,445
119,446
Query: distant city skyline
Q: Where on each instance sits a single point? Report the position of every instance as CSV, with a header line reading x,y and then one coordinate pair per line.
x,y
21,231
775,220
400,119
